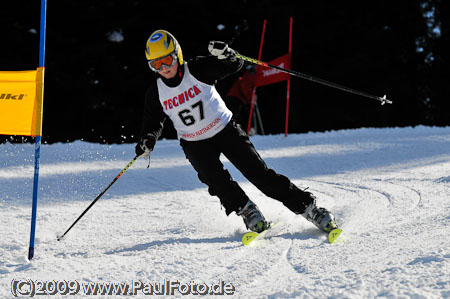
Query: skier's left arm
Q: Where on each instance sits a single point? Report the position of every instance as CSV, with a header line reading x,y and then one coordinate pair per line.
x,y
221,63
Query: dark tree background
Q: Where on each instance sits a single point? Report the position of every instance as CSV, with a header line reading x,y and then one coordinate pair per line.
x,y
96,73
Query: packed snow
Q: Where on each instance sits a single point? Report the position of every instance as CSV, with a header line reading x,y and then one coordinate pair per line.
x,y
388,188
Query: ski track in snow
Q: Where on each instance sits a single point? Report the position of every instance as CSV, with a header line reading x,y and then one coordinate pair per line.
x,y
389,189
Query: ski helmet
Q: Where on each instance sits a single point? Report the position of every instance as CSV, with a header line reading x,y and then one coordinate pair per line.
x,y
162,44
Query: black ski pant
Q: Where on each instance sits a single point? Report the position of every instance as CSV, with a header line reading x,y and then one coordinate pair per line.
x,y
234,143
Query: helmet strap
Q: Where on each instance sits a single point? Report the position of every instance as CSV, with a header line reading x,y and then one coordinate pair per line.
x,y
180,70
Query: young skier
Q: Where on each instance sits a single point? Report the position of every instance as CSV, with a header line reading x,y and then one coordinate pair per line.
x,y
185,93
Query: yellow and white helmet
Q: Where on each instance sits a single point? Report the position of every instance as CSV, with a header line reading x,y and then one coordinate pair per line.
x,y
162,49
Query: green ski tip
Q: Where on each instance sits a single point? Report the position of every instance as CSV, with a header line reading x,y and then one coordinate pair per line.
x,y
247,238
334,234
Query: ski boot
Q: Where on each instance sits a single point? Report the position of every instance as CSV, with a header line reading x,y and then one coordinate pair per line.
x,y
253,218
320,217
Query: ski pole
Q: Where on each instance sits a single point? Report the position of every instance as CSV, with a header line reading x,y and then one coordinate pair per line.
x,y
98,197
383,99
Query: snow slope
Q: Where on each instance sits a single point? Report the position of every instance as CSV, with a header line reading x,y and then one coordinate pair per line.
x,y
389,189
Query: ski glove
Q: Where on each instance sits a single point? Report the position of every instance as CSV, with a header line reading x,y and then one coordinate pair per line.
x,y
145,146
220,50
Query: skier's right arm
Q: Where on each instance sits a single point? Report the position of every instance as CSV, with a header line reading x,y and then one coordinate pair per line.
x,y
152,122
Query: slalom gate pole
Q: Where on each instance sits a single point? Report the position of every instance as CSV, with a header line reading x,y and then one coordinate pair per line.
x,y
97,198
37,146
383,99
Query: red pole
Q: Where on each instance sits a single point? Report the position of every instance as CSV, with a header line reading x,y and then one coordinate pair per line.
x,y
289,80
254,88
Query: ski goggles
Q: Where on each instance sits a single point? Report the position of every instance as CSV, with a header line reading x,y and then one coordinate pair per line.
x,y
168,61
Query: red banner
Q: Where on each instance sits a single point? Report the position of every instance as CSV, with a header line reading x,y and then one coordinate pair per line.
x,y
266,76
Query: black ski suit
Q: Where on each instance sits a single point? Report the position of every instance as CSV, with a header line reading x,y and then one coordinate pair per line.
x,y
231,141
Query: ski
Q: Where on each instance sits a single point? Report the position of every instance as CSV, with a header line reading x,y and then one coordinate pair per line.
x,y
250,237
334,234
